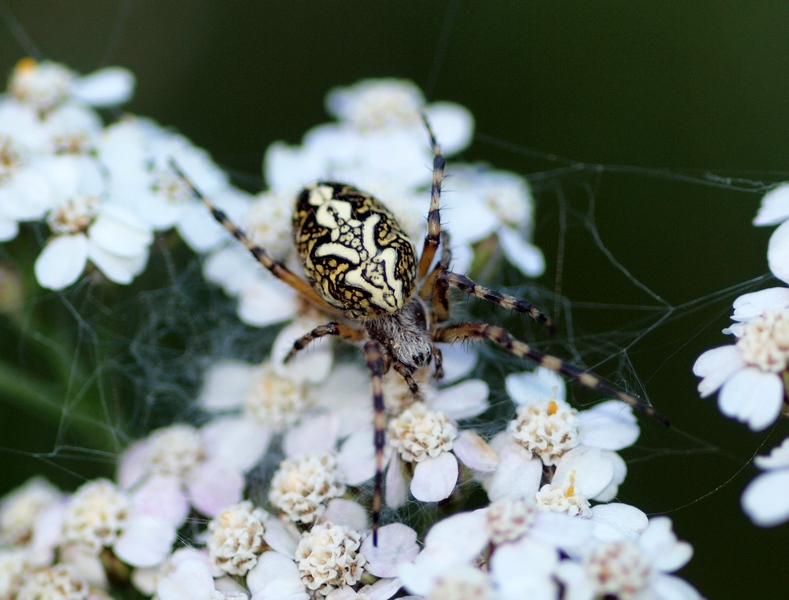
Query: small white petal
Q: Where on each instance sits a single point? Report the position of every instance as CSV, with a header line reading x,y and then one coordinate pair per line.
x,y
775,206
753,397
609,425
453,125
271,566
535,387
435,478
778,457
225,385
145,542
517,476
190,581
766,499
318,434
62,261
716,366
106,87
347,513
396,486
589,470
522,254
213,486
117,268
474,452
356,459
669,587
162,498
753,304
396,544
238,441
616,521
778,252
463,400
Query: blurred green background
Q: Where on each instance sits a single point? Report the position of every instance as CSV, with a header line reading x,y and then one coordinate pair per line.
x,y
658,123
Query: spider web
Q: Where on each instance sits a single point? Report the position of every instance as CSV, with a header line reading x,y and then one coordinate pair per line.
x,y
643,262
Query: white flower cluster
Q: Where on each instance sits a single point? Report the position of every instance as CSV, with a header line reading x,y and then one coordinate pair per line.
x,y
277,478
751,374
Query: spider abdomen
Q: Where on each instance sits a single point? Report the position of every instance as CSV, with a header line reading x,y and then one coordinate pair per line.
x,y
353,250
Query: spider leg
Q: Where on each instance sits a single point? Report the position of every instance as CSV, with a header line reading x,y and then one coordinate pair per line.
x,y
407,374
377,364
497,335
464,284
262,255
434,215
345,332
439,362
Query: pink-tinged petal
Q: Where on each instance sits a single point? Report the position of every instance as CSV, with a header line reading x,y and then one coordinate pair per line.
x,y
517,476
777,459
617,521
396,490
162,498
775,206
119,269
535,387
225,385
463,400
270,567
778,252
753,304
356,459
315,434
280,536
214,485
435,478
753,397
609,426
524,255
131,466
474,452
146,541
588,470
190,581
62,261
383,589
347,513
716,366
766,499
106,87
396,544
238,441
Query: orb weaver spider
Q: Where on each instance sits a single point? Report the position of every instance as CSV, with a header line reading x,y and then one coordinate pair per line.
x,y
361,266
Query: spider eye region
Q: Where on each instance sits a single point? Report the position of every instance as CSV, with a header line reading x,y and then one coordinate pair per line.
x,y
353,250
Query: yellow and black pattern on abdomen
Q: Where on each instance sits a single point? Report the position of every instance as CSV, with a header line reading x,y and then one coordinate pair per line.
x,y
353,250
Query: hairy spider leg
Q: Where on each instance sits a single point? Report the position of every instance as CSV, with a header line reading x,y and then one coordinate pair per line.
x,y
341,330
482,331
434,215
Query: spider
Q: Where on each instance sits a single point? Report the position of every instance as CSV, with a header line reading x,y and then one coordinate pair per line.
x,y
361,266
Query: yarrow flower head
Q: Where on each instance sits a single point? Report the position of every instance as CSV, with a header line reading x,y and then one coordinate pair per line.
x,y
328,558
302,486
21,508
750,373
236,538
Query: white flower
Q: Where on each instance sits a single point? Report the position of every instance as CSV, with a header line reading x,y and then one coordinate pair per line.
x,y
749,372
177,466
766,499
99,515
328,557
59,582
45,85
21,508
301,487
632,569
236,537
547,431
13,570
485,202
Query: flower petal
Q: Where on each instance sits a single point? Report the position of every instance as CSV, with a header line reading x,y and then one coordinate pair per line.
x,y
778,252
775,206
62,261
435,478
766,499
753,397
106,87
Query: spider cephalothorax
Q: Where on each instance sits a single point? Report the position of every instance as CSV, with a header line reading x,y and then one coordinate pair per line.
x,y
361,267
